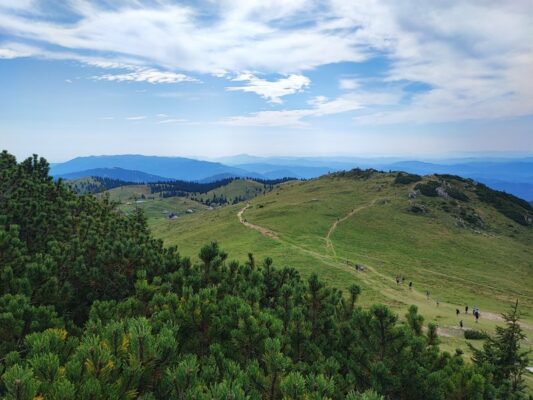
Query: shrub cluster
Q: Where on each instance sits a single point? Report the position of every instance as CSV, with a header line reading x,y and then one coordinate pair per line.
x,y
473,334
428,189
406,179
511,206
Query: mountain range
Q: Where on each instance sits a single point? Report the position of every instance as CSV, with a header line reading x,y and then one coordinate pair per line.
x,y
512,175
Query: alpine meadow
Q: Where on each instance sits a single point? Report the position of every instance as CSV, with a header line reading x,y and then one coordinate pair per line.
x,y
277,200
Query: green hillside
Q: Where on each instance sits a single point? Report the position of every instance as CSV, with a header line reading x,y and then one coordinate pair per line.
x,y
461,251
236,191
163,208
129,193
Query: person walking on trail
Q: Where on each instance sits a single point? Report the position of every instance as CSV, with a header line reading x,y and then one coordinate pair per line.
x,y
461,324
477,315
457,312
397,280
411,285
466,309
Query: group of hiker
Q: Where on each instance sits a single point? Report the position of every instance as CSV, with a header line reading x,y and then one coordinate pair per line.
x,y
400,279
475,311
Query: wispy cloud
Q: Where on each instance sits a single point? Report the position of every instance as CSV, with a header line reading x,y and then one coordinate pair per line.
x,y
171,121
8,54
147,75
136,118
349,84
473,57
319,106
273,91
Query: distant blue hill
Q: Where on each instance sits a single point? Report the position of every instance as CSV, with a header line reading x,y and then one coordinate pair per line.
x,y
171,167
126,175
273,171
514,176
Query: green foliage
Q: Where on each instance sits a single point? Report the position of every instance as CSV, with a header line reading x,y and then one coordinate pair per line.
x,y
511,206
473,334
93,308
428,189
503,358
457,194
404,178
356,173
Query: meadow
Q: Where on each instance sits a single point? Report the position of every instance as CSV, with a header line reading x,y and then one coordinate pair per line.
x,y
328,225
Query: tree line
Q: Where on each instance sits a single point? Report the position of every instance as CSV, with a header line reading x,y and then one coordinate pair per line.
x,y
183,188
93,307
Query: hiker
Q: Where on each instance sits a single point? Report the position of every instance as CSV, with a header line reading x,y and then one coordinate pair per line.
x,y
461,324
457,312
411,285
397,280
466,309
477,316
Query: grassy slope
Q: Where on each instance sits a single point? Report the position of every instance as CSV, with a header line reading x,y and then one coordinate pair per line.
x,y
244,188
457,265
158,209
129,193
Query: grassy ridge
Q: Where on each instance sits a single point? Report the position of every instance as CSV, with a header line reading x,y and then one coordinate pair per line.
x,y
489,266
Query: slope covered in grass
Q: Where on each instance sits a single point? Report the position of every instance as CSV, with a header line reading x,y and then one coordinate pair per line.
x,y
462,252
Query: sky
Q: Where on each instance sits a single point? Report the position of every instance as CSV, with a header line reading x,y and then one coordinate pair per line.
x,y
300,78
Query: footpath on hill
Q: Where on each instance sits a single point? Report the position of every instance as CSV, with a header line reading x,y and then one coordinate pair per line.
x,y
372,277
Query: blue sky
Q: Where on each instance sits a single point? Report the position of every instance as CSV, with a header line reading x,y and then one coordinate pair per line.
x,y
301,77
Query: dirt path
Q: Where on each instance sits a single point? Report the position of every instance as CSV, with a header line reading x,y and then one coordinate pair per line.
x,y
263,231
329,243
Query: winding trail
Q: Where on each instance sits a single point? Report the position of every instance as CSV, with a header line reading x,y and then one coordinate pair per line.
x,y
372,277
329,243
263,231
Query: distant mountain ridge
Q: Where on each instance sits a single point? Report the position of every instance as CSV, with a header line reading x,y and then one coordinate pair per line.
x,y
514,176
170,167
115,173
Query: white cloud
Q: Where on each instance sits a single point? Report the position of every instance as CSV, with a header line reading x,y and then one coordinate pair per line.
x,y
146,75
319,106
171,121
136,118
475,57
349,84
11,53
68,80
271,90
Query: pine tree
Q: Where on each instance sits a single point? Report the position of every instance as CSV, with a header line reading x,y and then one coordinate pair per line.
x,y
503,356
